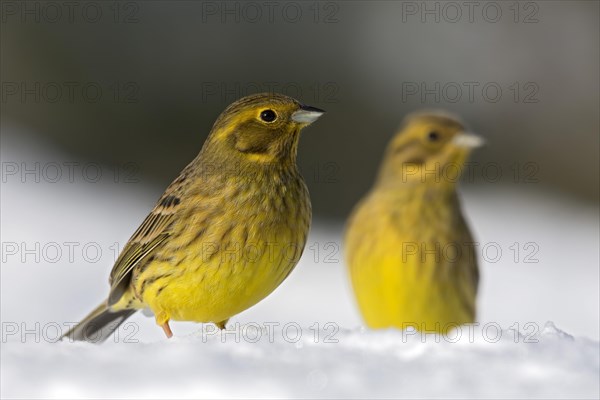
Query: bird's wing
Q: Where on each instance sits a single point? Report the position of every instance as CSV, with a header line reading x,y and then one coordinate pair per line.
x,y
155,229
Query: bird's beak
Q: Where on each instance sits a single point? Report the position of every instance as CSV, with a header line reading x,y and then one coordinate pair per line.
x,y
468,140
307,114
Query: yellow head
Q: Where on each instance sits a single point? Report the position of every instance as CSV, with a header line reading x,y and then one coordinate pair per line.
x,y
430,147
260,128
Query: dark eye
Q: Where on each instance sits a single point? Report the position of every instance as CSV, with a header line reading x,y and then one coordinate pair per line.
x,y
268,115
433,136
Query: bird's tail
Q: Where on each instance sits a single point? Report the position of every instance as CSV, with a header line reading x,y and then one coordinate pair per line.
x,y
98,325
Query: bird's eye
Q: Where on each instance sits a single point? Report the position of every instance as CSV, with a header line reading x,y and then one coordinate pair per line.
x,y
268,115
433,136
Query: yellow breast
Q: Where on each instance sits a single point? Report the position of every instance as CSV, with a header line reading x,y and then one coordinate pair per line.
x,y
409,263
226,256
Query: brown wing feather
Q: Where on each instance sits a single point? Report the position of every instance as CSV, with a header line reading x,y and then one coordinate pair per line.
x,y
147,238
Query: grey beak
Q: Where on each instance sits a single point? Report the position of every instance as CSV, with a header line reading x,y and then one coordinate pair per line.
x,y
307,114
468,140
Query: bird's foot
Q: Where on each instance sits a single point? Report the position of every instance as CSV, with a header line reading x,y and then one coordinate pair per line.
x,y
221,325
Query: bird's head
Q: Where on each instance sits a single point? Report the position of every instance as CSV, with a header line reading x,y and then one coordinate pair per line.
x,y
430,147
262,128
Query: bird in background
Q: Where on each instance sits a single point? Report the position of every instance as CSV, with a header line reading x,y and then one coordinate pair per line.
x,y
409,251
225,233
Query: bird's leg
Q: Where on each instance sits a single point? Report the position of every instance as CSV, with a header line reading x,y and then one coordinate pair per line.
x,y
162,320
167,330
221,325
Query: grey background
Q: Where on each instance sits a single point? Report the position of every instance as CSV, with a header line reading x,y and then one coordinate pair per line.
x,y
356,59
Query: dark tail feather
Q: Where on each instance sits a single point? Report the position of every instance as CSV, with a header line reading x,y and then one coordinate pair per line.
x,y
98,325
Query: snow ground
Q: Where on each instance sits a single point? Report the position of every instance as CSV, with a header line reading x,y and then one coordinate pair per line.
x,y
367,364
562,286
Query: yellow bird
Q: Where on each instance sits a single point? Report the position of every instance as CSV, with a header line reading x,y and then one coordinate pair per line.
x,y
410,254
226,232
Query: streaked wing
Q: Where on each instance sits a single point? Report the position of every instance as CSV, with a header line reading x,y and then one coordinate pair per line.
x,y
155,229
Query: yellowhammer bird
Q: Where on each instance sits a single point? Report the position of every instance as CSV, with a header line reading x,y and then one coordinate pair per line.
x,y
226,232
409,251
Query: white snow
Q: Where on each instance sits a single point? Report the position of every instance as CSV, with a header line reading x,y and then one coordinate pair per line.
x,y
40,296
360,364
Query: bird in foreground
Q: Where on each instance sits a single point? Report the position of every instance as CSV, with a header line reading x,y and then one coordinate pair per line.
x,y
409,251
225,233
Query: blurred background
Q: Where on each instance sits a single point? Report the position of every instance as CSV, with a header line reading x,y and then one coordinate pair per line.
x,y
129,90
142,82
